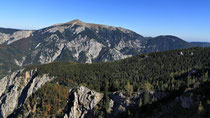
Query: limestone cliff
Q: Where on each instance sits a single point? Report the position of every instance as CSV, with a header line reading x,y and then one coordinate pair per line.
x,y
17,87
82,101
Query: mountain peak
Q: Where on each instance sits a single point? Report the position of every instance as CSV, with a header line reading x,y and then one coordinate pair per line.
x,y
75,21
81,23
89,25
92,25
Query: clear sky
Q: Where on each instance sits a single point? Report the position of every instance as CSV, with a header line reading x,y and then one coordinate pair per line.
x,y
187,19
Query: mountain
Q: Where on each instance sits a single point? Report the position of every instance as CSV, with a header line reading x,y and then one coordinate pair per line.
x,y
72,41
200,44
159,84
163,43
8,36
83,42
52,72
76,41
79,41
8,30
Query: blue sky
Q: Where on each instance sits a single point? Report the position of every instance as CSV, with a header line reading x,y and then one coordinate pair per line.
x,y
187,19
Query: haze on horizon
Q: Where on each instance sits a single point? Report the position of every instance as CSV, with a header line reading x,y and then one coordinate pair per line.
x,y
186,19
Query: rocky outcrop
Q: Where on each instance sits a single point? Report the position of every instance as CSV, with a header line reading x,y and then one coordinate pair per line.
x,y
82,101
186,102
120,102
17,87
10,38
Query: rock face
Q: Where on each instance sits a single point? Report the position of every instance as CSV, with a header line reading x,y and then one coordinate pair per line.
x,y
16,88
74,41
120,102
7,38
83,42
82,100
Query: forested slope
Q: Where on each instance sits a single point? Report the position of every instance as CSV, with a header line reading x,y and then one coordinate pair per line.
x,y
159,67
174,73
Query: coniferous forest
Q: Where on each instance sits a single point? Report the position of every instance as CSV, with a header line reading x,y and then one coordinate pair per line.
x,y
171,72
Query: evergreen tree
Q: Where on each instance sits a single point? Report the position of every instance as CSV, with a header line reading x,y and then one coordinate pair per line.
x,y
188,81
200,108
146,98
106,96
140,102
129,88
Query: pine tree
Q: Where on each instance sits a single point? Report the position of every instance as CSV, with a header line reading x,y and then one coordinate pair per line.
x,y
147,86
106,96
188,81
115,86
146,98
140,102
129,88
200,108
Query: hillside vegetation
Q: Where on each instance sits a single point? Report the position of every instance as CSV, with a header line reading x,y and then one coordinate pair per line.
x,y
157,69
171,72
